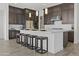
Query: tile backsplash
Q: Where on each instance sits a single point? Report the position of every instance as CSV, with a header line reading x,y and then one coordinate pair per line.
x,y
15,26
63,26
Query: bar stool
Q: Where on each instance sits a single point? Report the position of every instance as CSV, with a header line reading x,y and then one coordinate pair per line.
x,y
21,38
18,38
28,39
23,41
39,47
26,44
32,41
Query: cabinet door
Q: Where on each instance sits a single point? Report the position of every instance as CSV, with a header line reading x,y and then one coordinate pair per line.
x,y
65,39
52,12
19,19
71,36
57,11
67,13
65,16
12,18
71,16
16,15
11,34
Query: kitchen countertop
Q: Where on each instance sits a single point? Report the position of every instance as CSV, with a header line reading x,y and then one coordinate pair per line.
x,y
54,30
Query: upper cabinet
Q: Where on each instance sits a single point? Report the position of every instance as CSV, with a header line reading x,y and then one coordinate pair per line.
x,y
16,15
65,11
52,11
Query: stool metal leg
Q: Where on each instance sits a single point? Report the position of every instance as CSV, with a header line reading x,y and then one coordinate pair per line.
x,y
41,46
21,40
26,41
17,39
36,44
32,43
47,44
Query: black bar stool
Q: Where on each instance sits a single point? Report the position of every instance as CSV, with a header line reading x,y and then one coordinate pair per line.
x,y
22,39
39,47
26,44
18,38
32,41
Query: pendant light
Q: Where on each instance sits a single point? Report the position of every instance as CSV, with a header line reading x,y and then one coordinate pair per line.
x,y
36,13
29,15
46,11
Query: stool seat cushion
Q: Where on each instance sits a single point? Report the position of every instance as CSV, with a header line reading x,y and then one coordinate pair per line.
x,y
27,34
33,36
22,34
41,37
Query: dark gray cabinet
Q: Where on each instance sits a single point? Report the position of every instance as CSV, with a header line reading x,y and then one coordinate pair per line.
x,y
16,15
12,34
65,11
65,39
71,36
52,11
68,36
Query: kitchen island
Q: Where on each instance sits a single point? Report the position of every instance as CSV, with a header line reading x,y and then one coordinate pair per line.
x,y
55,38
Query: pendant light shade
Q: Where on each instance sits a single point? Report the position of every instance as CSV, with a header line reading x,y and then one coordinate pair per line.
x,y
46,11
29,14
36,13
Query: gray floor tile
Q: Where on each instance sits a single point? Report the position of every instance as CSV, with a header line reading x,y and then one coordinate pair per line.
x,y
11,48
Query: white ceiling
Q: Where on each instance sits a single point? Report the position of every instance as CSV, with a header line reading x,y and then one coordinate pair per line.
x,y
34,6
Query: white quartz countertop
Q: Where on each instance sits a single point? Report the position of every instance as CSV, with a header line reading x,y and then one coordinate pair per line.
x,y
48,31
51,31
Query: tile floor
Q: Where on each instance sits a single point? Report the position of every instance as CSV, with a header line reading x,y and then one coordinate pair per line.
x,y
11,48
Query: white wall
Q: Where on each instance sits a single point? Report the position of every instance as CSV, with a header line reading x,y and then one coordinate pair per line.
x,y
1,24
76,23
4,21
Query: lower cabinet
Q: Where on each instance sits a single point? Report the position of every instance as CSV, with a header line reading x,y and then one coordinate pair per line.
x,y
71,36
12,34
65,39
68,37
